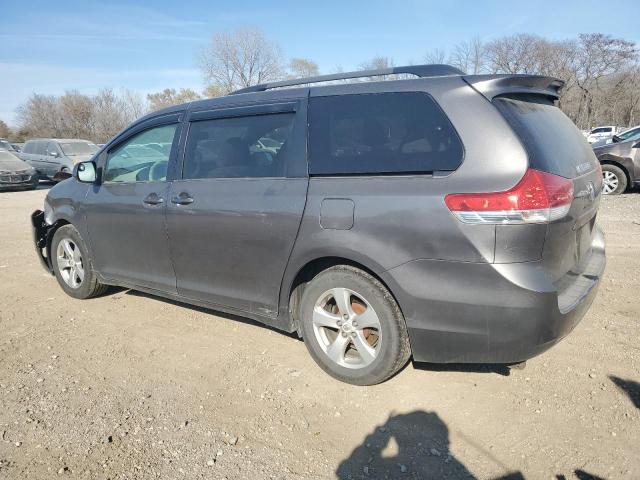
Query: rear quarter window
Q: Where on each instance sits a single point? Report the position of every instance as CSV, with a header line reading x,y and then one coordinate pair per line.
x,y
553,142
383,133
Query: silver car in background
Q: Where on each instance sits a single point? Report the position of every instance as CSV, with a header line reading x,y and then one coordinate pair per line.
x,y
629,134
52,155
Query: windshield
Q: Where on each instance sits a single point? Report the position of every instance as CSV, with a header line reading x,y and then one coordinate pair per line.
x,y
4,145
629,134
79,148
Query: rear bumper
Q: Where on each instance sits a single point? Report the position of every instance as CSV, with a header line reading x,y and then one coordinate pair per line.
x,y
491,313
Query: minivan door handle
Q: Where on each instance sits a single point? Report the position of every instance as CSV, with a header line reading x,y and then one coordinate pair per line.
x,y
153,199
183,198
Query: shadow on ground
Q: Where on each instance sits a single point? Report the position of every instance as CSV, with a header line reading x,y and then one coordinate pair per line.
x,y
416,445
412,445
499,369
210,311
631,388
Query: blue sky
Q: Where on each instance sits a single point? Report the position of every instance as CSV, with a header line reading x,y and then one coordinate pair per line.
x,y
49,47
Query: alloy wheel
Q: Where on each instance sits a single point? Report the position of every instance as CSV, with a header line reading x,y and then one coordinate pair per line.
x,y
347,328
610,182
70,263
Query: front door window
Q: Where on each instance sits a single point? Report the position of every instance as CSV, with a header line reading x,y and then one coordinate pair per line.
x,y
142,158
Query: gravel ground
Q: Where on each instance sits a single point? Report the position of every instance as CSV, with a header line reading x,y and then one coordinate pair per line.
x,y
128,386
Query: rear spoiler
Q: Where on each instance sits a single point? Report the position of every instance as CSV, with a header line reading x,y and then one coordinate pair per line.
x,y
492,86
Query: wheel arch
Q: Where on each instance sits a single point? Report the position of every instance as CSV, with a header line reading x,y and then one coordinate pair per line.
x,y
625,164
51,231
292,292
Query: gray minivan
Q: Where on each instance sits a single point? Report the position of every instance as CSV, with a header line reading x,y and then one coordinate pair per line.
x,y
52,155
447,217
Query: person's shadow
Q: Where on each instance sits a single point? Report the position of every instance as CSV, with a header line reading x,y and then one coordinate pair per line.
x,y
412,445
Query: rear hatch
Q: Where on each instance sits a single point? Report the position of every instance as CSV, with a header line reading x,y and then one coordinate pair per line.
x,y
554,145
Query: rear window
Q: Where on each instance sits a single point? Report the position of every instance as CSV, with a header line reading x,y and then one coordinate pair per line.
x,y
385,133
553,142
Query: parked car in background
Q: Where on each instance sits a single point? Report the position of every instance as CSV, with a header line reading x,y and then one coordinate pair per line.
x,y
628,134
448,217
16,174
52,155
5,145
620,162
601,133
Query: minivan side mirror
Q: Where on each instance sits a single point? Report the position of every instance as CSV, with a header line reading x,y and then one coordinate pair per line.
x,y
85,172
54,154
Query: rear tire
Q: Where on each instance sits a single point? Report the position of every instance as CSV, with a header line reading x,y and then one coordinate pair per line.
x,y
353,327
614,180
72,266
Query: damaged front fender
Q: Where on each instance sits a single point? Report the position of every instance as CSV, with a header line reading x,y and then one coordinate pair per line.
x,y
42,235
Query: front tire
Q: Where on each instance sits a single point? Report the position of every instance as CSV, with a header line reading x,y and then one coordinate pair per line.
x,y
353,327
72,266
614,180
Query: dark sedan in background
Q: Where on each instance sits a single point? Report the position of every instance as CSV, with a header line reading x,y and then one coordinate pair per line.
x,y
16,174
620,162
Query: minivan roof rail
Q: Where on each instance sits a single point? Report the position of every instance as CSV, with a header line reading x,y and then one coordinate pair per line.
x,y
434,70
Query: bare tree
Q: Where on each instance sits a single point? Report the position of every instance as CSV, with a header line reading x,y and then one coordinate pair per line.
x,y
212,91
377,63
436,56
240,58
5,131
75,113
598,56
470,57
109,117
303,67
39,116
133,104
514,54
169,97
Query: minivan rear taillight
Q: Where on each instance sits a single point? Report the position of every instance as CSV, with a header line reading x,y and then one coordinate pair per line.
x,y
538,198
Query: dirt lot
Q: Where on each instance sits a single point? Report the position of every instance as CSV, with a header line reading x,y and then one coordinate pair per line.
x,y
131,386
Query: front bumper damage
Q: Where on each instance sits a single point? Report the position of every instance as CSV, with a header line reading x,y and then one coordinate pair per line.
x,y
42,234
